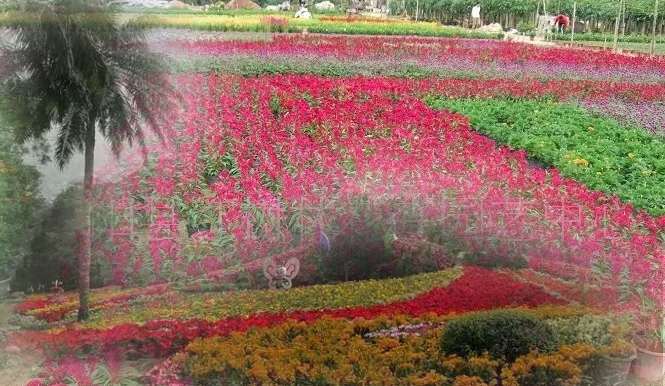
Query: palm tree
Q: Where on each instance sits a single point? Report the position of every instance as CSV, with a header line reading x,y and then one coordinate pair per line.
x,y
79,72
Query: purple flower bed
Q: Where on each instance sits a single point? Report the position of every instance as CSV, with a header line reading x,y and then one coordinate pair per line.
x,y
647,115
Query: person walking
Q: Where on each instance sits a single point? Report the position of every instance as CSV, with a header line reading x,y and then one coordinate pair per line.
x,y
561,22
475,16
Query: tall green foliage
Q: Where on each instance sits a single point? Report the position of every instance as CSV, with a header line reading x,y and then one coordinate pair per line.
x,y
604,11
20,203
53,247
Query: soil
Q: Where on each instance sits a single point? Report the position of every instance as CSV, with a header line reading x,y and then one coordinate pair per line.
x,y
16,369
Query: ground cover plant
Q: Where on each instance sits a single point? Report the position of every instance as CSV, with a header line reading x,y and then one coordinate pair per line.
x,y
372,353
645,115
161,338
158,303
153,336
427,58
323,25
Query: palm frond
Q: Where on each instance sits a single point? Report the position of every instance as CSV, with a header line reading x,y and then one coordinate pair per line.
x,y
76,70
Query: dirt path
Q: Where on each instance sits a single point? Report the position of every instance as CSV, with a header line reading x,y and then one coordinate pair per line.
x,y
15,369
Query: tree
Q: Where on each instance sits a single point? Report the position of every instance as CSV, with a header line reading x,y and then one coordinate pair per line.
x,y
20,203
78,71
616,25
53,239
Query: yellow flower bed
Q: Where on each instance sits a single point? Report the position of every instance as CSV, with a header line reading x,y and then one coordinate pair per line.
x,y
215,306
256,22
333,351
563,368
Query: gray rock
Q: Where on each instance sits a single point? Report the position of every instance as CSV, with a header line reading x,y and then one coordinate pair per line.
x,y
324,6
491,28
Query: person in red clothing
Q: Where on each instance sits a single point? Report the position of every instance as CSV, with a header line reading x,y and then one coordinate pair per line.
x,y
561,23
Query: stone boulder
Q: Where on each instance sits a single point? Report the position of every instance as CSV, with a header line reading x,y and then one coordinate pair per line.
x,y
324,6
303,13
241,4
285,6
494,28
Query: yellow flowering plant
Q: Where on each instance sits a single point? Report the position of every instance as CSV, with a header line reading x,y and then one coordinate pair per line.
x,y
337,351
536,369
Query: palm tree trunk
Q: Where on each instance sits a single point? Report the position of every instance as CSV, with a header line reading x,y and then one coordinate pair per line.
x,y
86,238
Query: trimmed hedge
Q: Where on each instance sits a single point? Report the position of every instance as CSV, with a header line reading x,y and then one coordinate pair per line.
x,y
504,334
609,38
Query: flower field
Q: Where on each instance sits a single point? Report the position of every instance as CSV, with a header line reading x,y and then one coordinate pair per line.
x,y
485,186
317,162
257,21
473,289
487,58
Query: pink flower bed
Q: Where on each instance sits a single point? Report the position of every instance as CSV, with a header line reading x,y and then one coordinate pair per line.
x,y
483,56
311,146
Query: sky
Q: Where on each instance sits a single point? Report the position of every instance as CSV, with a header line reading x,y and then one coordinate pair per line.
x,y
54,180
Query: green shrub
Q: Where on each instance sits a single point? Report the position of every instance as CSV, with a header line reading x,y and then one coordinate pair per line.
x,y
543,370
358,252
525,26
595,330
608,37
20,202
503,334
53,251
494,260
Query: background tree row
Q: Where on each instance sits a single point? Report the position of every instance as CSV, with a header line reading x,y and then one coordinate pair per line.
x,y
600,14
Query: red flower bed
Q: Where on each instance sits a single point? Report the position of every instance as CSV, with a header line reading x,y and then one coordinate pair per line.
x,y
476,289
484,56
606,298
31,304
55,308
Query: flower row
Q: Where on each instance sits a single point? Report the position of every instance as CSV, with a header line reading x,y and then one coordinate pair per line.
x,y
476,289
215,306
598,152
53,308
111,365
603,297
485,57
